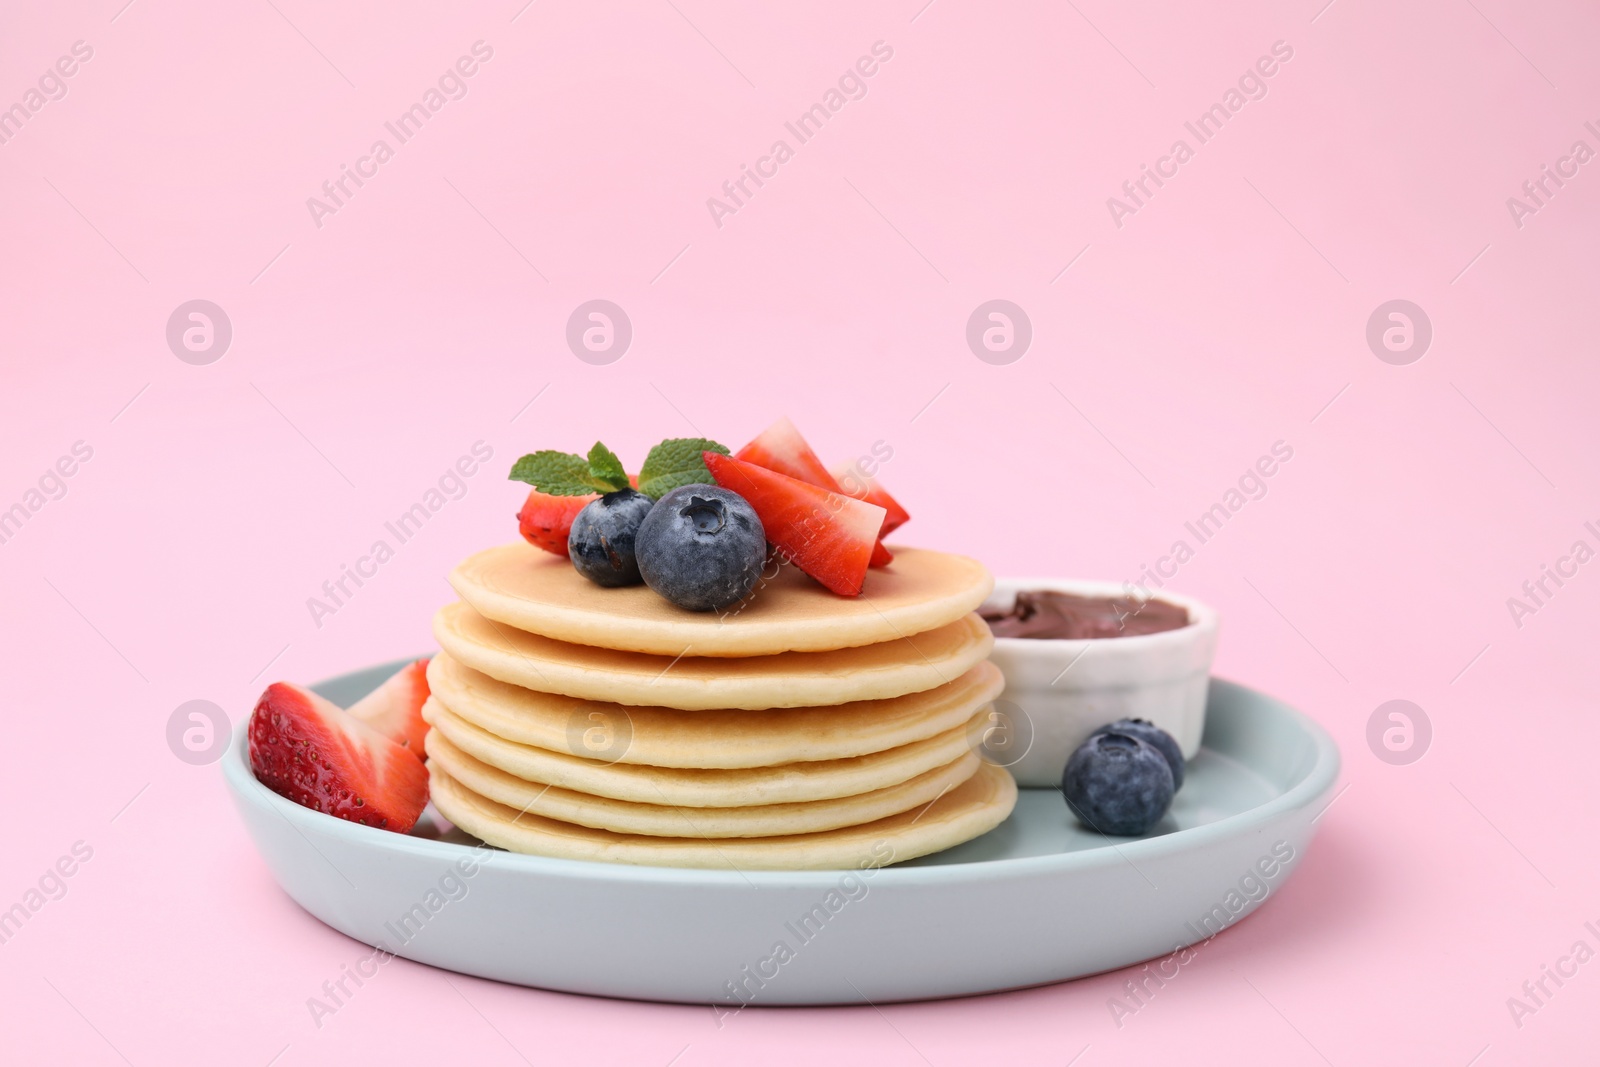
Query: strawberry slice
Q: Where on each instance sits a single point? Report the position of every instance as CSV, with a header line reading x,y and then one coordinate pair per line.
x,y
781,448
826,534
853,481
394,709
546,520
308,750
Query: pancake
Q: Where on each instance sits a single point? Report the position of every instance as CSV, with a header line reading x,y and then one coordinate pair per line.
x,y
660,820
667,737
973,808
788,783
528,589
785,680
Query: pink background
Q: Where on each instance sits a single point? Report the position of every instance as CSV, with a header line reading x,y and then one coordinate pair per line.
x,y
1227,314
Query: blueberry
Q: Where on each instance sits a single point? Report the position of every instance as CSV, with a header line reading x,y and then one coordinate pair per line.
x,y
702,547
604,535
1117,784
1152,734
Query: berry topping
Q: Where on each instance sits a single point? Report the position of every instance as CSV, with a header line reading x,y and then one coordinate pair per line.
x,y
853,481
307,750
827,535
780,448
1157,738
828,532
1117,784
394,709
702,547
602,541
546,520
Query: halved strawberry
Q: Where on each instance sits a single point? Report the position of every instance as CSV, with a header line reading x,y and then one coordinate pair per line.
x,y
546,520
826,534
394,709
781,448
308,750
853,481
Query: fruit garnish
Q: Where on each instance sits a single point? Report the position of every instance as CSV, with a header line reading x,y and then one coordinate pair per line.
x,y
828,535
546,520
308,750
394,709
1117,784
853,481
702,547
604,535
781,448
564,483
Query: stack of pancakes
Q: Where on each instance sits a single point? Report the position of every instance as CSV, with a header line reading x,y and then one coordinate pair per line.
x,y
802,731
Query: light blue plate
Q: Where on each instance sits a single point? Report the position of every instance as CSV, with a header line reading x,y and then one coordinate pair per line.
x,y
1036,900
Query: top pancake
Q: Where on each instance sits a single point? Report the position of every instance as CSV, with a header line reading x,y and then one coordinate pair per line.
x,y
534,591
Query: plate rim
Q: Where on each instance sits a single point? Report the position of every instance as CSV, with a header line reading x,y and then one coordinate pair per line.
x,y
1317,780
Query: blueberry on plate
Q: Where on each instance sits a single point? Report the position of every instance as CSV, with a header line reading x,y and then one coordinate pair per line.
x,y
604,537
702,547
1154,735
1117,784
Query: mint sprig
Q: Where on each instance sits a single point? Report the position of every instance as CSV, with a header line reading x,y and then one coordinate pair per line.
x,y
674,462
567,474
604,465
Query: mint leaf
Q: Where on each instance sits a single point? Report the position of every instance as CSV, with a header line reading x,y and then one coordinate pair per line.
x,y
676,462
558,473
605,467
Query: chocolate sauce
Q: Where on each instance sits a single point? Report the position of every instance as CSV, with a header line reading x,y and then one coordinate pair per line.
x,y
1045,613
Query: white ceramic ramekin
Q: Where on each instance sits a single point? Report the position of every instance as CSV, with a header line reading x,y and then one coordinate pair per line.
x,y
1058,692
